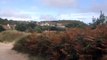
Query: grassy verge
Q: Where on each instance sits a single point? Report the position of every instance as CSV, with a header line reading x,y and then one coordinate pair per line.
x,y
11,35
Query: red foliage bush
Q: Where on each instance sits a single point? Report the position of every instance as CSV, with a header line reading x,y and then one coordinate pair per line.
x,y
47,44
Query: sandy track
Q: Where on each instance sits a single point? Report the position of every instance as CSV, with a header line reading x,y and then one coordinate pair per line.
x,y
7,54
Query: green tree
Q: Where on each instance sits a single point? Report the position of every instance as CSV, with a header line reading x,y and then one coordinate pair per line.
x,y
1,28
31,25
21,27
76,24
101,18
38,29
98,21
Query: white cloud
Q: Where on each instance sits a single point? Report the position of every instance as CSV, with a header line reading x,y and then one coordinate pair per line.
x,y
14,14
26,15
86,17
59,3
47,17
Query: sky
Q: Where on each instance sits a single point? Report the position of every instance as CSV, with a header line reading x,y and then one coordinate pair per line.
x,y
41,10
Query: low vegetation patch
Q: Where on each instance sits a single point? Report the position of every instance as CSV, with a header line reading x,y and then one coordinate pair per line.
x,y
11,35
74,42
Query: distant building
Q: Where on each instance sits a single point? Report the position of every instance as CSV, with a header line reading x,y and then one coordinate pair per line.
x,y
60,25
44,24
51,23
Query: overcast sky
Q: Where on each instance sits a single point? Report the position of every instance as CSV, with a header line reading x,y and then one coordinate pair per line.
x,y
40,10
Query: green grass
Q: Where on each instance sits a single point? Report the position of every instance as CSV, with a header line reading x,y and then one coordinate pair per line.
x,y
11,35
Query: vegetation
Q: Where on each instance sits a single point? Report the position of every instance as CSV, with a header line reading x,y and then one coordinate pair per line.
x,y
82,41
6,21
98,21
33,27
26,26
40,29
11,35
70,43
77,24
21,27
1,28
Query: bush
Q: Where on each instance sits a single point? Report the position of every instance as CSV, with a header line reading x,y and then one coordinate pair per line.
x,y
32,44
83,41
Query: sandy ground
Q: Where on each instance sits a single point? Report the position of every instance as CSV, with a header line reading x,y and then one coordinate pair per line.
x,y
7,54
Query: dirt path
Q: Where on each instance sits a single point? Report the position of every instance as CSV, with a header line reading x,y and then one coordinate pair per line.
x,y
7,54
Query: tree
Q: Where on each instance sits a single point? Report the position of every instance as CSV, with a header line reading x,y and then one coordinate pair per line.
x,y
102,18
38,29
98,21
31,25
1,28
26,26
77,24
21,27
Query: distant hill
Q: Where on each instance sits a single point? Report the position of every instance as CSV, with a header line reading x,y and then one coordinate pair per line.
x,y
26,25
11,22
63,22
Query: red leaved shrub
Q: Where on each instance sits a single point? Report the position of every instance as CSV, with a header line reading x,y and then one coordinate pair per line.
x,y
82,41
